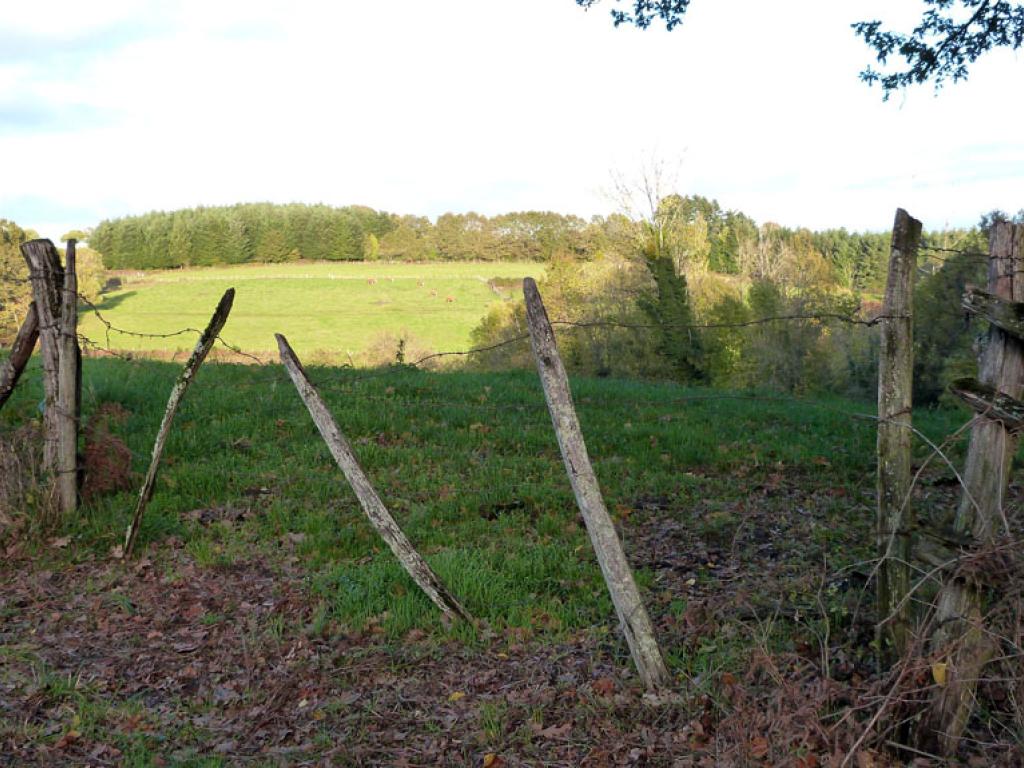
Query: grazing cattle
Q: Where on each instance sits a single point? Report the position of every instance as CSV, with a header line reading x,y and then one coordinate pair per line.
x,y
449,299
419,283
372,281
433,293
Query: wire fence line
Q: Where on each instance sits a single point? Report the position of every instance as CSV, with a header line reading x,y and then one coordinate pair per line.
x,y
954,251
106,348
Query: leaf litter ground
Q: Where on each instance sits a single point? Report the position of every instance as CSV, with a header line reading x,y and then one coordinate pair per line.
x,y
168,662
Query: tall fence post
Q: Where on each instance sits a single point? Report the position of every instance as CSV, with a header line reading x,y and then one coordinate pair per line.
x,y
55,294
69,383
895,383
47,278
633,618
895,515
960,641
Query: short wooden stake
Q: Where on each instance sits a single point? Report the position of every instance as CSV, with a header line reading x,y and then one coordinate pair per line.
x,y
379,517
12,368
633,618
202,349
895,381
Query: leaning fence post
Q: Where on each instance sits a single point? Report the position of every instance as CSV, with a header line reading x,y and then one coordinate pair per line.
x,y
374,508
633,618
894,538
202,349
961,641
69,383
11,368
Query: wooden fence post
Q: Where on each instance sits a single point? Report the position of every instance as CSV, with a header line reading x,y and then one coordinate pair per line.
x,y
895,518
633,618
69,382
960,641
382,521
202,349
55,290
11,368
47,278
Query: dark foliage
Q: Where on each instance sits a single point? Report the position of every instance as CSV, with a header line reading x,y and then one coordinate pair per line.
x,y
952,35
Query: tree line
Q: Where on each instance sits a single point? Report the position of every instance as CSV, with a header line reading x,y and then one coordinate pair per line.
x,y
729,241
694,296
638,282
15,290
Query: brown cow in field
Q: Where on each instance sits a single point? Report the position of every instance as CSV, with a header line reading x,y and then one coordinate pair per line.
x,y
449,299
371,281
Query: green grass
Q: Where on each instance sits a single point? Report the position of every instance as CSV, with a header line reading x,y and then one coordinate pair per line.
x,y
469,466
328,308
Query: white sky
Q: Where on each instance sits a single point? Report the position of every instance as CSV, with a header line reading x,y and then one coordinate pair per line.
x,y
121,106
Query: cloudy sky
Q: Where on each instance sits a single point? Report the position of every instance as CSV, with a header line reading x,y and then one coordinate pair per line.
x,y
123,106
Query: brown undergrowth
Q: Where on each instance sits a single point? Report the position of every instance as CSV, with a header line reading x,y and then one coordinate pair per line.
x,y
106,460
28,505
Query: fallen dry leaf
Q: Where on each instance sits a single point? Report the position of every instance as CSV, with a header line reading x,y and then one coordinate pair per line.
x,y
758,747
556,731
68,739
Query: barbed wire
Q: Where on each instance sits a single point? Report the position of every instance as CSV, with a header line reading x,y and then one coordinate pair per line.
x,y
957,251
730,325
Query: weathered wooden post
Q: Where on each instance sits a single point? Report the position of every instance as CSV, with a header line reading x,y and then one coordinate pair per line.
x,y
55,290
69,383
894,539
202,349
382,521
633,618
12,368
960,641
47,276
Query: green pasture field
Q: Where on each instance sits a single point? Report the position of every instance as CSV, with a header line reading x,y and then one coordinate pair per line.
x,y
752,512
469,465
333,310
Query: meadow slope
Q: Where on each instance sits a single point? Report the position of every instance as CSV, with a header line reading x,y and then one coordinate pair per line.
x,y
333,310
264,622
